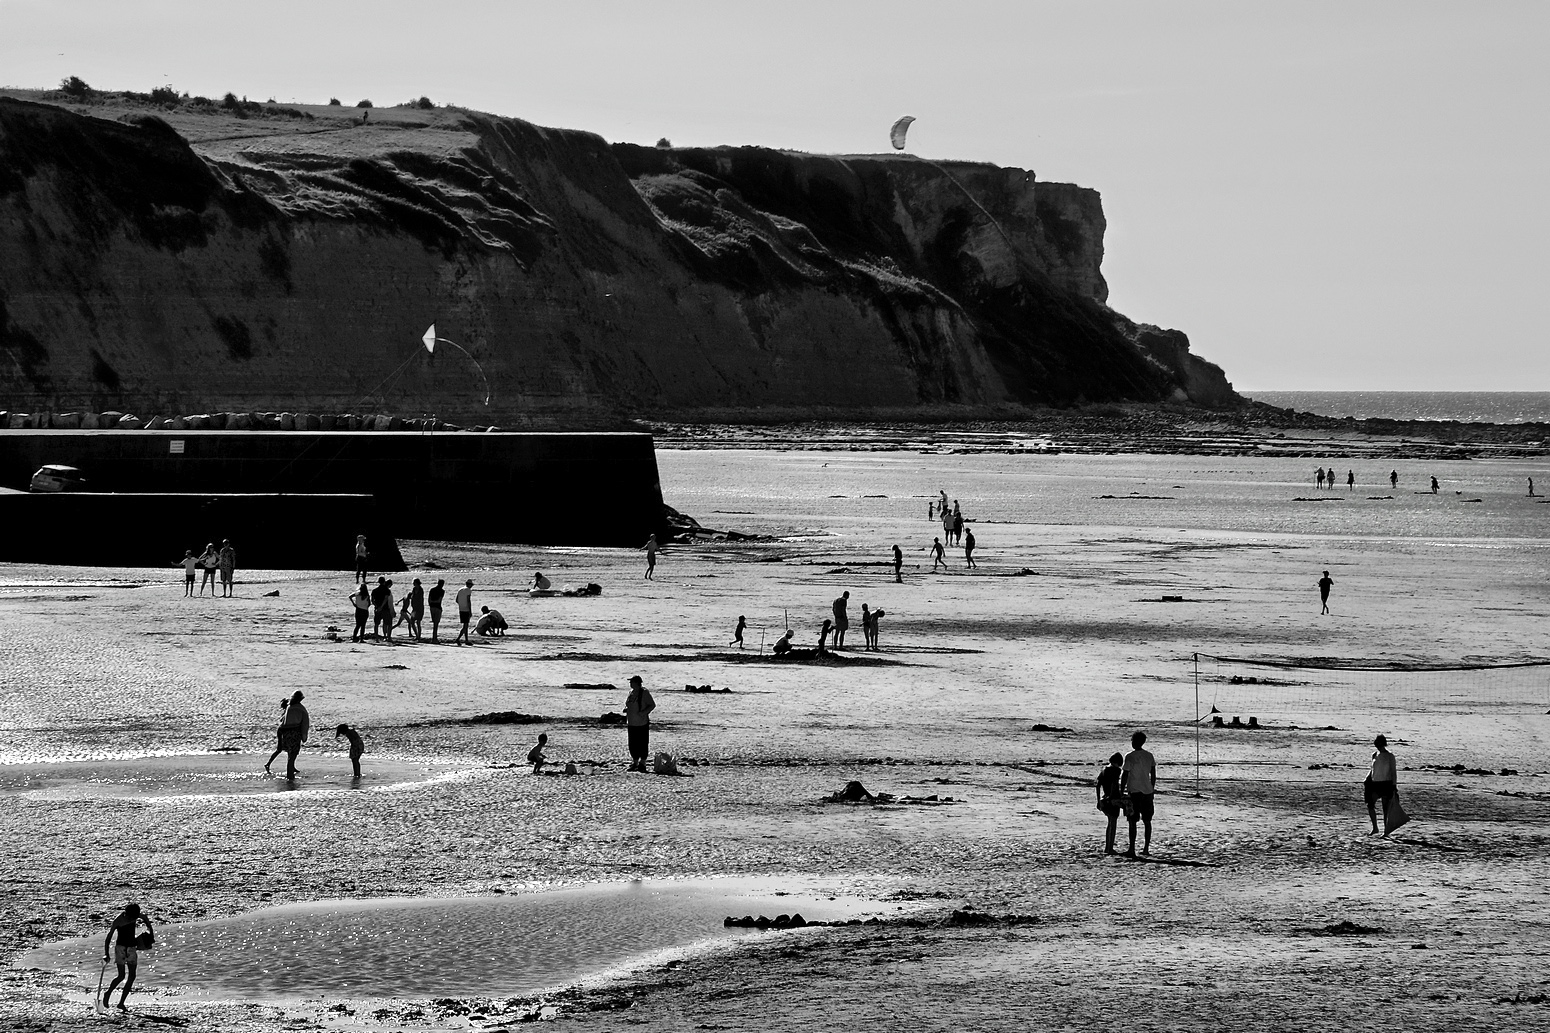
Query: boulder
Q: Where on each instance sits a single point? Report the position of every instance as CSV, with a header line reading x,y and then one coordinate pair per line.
x,y
327,421
239,421
218,420
67,420
130,422
287,421
309,422
18,420
177,423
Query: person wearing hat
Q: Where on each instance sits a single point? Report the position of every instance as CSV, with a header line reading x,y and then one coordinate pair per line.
x,y
1381,783
124,954
638,706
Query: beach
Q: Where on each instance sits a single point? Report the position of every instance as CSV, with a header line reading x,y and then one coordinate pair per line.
x,y
138,721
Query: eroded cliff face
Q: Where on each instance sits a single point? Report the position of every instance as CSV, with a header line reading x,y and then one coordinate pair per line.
x,y
191,260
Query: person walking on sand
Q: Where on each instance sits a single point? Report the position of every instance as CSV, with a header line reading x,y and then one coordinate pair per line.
x,y
1435,485
1381,784
209,562
1325,584
841,620
1350,480
1138,784
968,548
362,558
279,735
465,611
435,597
898,565
737,633
1393,479
1530,489
361,600
190,562
357,746
1109,800
947,524
228,567
651,548
125,952
1320,474
416,610
294,728
937,555
638,706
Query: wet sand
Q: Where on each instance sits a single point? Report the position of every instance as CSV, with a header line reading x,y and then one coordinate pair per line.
x,y
1062,626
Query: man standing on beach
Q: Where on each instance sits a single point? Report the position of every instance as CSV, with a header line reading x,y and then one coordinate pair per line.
x,y
1325,584
362,558
1350,480
437,594
638,706
228,567
968,547
1138,783
416,609
898,565
293,732
465,610
1393,479
841,620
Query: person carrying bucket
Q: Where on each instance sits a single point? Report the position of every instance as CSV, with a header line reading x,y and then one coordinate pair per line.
x,y
125,953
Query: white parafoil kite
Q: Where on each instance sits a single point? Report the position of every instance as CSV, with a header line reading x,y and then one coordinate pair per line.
x,y
896,134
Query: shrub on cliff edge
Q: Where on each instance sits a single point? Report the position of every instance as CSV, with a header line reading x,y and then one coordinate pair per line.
x,y
74,87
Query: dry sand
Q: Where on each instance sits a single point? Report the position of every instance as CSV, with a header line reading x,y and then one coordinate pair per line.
x,y
1216,932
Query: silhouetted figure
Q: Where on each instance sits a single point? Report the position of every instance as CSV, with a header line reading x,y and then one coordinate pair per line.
x,y
362,558
1435,485
1393,479
1350,480
434,599
465,611
938,555
866,627
1530,495
210,561
1109,801
931,511
898,562
357,746
968,548
228,567
416,610
1321,476
823,636
190,562
651,548
737,633
125,949
294,729
1381,784
535,756
782,645
1325,584
841,620
1138,781
638,706
360,599
279,735
382,609
491,622
540,583
877,616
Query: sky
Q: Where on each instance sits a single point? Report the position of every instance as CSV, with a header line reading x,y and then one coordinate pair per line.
x,y
1324,196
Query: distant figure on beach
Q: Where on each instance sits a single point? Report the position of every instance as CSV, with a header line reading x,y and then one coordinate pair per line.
x,y
294,728
877,615
1435,485
362,558
1321,476
1530,492
931,510
279,734
382,609
968,548
937,555
651,548
638,706
540,583
435,598
942,505
190,562
357,746
210,561
535,756
898,565
782,645
866,627
465,611
1393,479
361,600
1325,584
958,528
403,613
947,524
737,632
1381,784
823,636
416,610
841,620
125,952
1109,801
1350,480
228,566
491,622
1138,782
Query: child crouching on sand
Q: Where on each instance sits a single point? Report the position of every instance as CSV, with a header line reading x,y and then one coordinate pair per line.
x,y
357,747
535,756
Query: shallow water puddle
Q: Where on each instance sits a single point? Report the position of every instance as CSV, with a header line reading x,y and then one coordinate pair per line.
x,y
208,774
458,947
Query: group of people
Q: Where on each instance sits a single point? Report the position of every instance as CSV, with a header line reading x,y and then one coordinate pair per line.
x,y
212,561
295,725
951,518
378,606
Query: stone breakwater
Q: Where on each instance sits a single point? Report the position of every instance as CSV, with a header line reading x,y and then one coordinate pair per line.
x,y
113,420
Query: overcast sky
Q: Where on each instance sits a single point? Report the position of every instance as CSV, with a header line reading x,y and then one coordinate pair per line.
x,y
1323,196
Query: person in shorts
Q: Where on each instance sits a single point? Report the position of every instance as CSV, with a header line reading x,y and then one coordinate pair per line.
x,y
1109,798
465,610
434,598
209,560
123,953
189,563
362,558
361,600
228,563
1138,783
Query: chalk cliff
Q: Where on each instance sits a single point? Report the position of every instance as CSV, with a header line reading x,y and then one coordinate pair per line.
x,y
187,258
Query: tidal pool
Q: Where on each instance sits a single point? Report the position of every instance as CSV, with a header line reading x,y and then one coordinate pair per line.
x,y
208,774
488,946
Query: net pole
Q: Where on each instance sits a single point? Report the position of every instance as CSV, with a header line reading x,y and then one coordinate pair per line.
x,y
1197,724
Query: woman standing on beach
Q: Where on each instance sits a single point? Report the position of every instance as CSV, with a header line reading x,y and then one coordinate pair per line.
x,y
209,560
638,706
228,564
1381,784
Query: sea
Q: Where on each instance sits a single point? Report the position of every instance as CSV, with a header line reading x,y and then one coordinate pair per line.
x,y
1464,406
